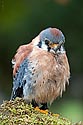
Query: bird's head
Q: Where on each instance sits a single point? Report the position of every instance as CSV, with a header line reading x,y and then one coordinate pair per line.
x,y
52,40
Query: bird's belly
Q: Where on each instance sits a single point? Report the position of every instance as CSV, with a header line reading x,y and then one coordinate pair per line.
x,y
46,92
41,90
44,82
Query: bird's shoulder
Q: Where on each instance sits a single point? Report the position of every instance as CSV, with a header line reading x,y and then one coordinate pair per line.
x,y
22,53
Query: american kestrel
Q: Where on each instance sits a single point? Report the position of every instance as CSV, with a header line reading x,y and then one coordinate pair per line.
x,y
41,69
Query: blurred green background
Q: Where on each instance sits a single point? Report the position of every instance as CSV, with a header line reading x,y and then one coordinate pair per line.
x,y
21,21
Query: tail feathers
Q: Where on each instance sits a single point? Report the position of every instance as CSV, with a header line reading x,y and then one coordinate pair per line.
x,y
17,93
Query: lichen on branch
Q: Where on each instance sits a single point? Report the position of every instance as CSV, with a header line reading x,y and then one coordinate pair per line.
x,y
17,112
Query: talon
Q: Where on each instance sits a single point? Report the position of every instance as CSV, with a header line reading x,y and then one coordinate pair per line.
x,y
37,108
42,111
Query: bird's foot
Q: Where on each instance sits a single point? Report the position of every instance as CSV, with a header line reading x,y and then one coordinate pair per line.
x,y
41,110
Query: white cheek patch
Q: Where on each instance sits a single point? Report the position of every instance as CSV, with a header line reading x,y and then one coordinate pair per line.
x,y
44,46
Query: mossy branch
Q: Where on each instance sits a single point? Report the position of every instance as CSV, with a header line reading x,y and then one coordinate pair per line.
x,y
17,112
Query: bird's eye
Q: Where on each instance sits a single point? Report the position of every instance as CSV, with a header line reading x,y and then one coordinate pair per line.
x,y
47,41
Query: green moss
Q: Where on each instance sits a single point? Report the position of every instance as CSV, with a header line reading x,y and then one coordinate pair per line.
x,y
17,112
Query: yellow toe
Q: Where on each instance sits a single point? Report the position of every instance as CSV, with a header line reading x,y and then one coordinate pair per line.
x,y
37,109
42,111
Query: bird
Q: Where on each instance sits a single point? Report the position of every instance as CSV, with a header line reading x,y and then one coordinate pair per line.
x,y
41,69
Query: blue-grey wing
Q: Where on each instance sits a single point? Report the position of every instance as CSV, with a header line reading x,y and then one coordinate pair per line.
x,y
18,80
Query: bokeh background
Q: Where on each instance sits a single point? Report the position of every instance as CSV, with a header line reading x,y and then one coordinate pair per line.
x,y
21,21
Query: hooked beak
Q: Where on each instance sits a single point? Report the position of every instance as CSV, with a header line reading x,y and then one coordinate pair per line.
x,y
57,46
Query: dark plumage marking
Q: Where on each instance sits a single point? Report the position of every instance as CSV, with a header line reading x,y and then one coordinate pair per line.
x,y
19,91
39,44
55,81
35,81
24,82
49,48
32,67
47,41
34,70
32,73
